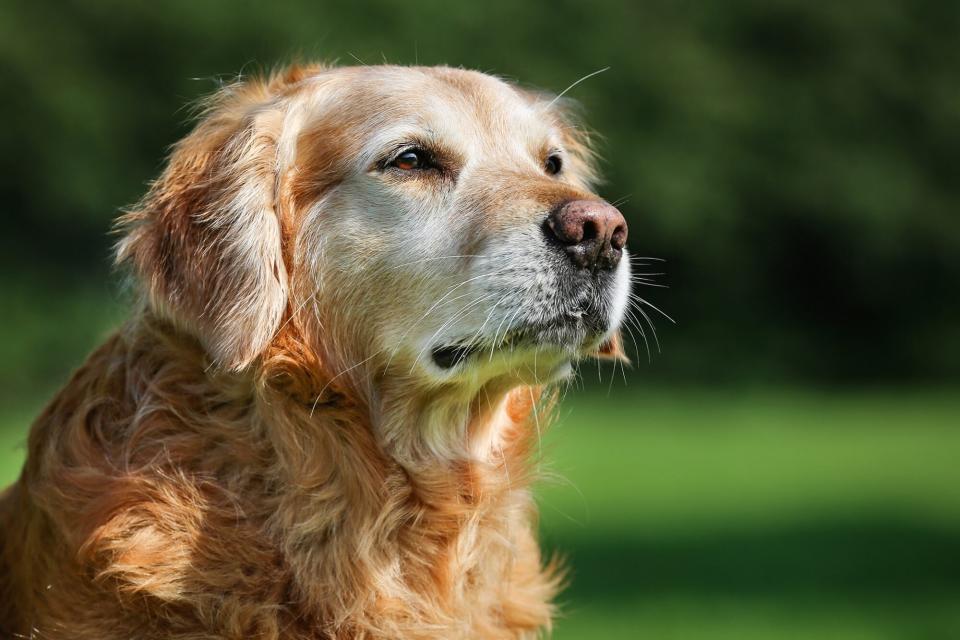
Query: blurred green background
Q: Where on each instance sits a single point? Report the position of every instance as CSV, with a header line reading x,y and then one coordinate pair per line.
x,y
787,467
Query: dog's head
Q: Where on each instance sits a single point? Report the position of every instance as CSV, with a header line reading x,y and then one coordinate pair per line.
x,y
429,223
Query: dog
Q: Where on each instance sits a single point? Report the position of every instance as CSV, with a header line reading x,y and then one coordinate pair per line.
x,y
355,288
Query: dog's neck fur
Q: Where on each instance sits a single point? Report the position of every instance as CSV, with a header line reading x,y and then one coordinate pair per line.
x,y
278,510
445,506
436,492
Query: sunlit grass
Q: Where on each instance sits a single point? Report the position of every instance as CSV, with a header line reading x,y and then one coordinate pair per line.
x,y
672,461
757,515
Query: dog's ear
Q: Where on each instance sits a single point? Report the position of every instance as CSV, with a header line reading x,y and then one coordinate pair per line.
x,y
205,241
612,349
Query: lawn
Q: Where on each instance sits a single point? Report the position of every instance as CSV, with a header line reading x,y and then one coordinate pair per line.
x,y
760,515
745,515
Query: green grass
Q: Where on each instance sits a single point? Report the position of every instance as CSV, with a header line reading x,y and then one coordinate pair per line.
x,y
760,515
753,515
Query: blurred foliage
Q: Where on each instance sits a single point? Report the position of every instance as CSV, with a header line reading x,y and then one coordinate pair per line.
x,y
795,163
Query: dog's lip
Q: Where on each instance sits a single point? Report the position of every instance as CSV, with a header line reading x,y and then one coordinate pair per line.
x,y
450,356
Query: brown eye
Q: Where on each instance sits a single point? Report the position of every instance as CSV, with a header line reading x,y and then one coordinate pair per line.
x,y
553,164
412,159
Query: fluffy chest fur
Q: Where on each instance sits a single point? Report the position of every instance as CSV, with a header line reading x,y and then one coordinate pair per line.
x,y
179,505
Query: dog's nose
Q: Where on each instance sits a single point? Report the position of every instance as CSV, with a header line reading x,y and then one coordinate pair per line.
x,y
592,233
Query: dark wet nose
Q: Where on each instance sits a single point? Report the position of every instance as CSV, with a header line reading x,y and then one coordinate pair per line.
x,y
592,233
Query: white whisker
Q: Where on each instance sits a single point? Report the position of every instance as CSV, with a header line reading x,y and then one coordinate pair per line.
x,y
453,318
347,370
434,306
586,77
653,329
422,260
489,316
652,306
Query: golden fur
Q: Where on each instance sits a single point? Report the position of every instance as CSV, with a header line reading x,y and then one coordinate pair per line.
x,y
247,457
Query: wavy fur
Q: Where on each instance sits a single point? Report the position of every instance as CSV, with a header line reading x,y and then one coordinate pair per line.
x,y
223,468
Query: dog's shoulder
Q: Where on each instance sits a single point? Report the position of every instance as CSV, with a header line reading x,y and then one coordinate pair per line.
x,y
132,488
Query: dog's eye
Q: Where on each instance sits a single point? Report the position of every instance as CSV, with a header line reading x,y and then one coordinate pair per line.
x,y
412,159
554,164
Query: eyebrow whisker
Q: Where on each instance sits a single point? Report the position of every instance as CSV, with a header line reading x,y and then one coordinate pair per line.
x,y
586,77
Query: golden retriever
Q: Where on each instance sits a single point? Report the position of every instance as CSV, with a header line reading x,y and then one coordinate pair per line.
x,y
318,421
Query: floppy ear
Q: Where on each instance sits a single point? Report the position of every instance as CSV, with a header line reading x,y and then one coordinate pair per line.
x,y
205,241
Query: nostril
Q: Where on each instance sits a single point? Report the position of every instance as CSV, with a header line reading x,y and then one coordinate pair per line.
x,y
590,230
619,237
592,233
568,228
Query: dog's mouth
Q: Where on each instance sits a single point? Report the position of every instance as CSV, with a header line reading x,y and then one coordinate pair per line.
x,y
452,356
571,336
448,357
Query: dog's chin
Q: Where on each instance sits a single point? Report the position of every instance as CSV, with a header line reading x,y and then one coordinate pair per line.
x,y
521,362
535,354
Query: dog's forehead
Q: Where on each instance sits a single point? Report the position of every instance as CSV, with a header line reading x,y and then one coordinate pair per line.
x,y
449,104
